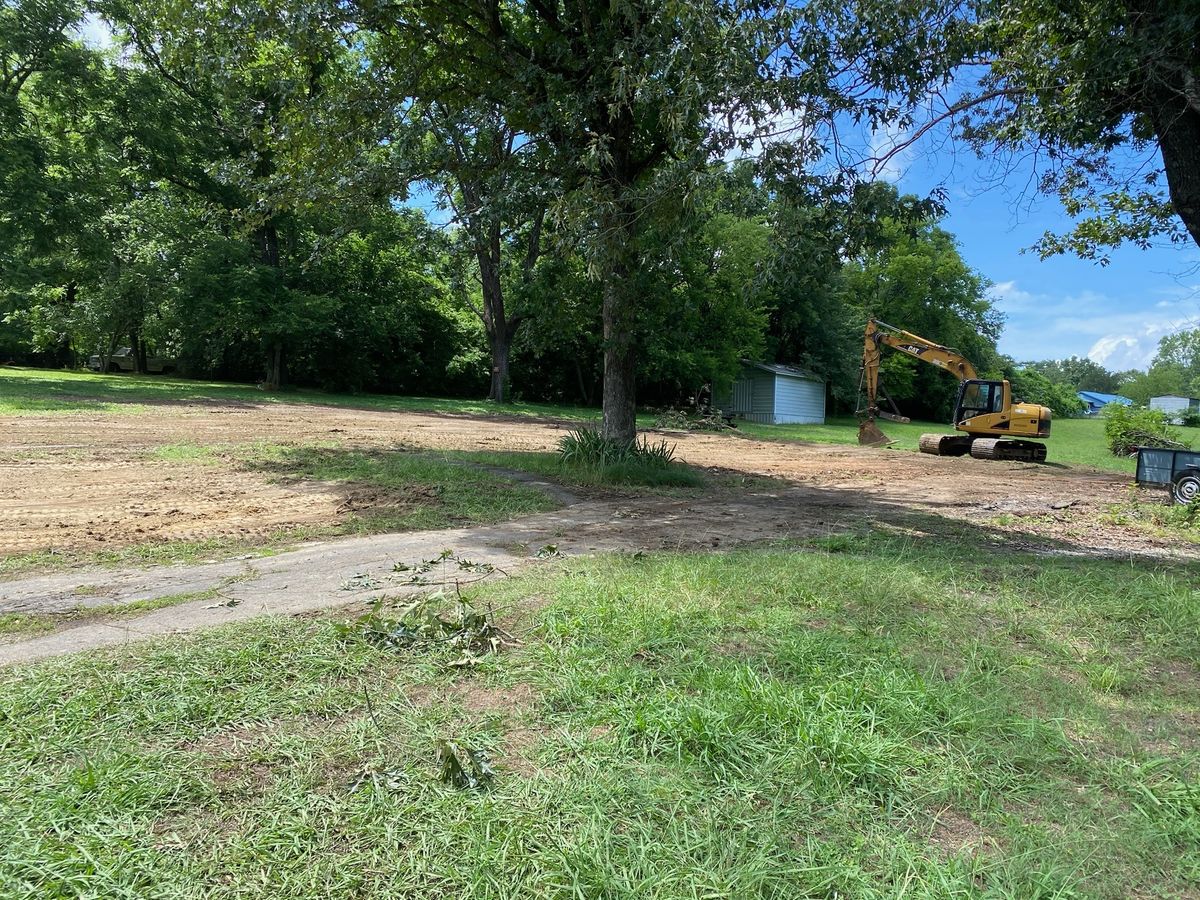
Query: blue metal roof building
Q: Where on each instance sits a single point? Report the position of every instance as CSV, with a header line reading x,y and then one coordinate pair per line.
x,y
1096,401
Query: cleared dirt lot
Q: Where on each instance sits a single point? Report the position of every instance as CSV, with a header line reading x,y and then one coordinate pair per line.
x,y
85,481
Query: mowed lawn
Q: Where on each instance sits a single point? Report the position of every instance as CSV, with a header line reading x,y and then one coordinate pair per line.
x,y
55,390
1073,442
858,717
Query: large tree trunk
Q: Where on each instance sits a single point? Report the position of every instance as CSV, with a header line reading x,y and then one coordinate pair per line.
x,y
495,321
1178,126
136,351
620,359
499,390
266,240
274,378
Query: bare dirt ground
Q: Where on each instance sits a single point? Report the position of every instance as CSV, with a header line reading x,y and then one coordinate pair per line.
x,y
79,483
85,482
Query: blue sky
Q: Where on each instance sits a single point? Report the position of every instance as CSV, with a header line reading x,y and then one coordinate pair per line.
x,y
1062,306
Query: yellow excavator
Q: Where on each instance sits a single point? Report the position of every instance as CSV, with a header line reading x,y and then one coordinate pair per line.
x,y
990,421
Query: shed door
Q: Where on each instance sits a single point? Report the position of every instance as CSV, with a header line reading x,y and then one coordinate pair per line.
x,y
743,395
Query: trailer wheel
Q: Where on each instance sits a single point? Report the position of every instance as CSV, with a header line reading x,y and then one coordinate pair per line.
x,y
1186,489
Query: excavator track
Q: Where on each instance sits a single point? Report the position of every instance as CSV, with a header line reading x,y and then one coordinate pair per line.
x,y
1006,448
945,444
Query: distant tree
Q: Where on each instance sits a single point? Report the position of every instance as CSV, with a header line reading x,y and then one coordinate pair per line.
x,y
821,238
217,83
480,167
1079,373
1175,369
1180,349
916,279
1160,380
1032,386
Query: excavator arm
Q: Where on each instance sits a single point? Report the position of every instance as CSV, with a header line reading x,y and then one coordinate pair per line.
x,y
880,333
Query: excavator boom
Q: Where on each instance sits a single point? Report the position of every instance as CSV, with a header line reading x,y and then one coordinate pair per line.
x,y
879,334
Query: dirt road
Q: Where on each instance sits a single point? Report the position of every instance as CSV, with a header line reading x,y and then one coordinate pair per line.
x,y
84,482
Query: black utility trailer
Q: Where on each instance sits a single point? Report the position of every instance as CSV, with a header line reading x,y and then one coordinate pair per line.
x,y
1177,469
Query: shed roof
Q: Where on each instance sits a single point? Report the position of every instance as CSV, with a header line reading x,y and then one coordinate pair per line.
x,y
1097,397
781,369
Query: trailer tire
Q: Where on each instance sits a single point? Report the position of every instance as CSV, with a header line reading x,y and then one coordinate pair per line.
x,y
1186,489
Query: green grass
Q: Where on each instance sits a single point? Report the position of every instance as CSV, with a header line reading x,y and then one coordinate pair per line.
x,y
869,717
160,553
30,624
646,478
400,490
1072,442
53,390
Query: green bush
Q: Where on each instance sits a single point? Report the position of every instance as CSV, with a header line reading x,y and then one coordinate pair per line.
x,y
588,447
1127,428
586,458
1190,419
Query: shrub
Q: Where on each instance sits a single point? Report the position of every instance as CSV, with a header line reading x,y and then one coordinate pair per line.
x,y
587,458
1190,419
1127,428
1030,386
587,447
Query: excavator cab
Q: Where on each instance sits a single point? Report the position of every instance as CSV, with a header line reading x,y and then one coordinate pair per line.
x,y
978,398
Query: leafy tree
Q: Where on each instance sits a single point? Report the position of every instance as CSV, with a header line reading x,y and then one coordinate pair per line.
x,y
1180,349
1160,380
480,165
1108,92
1079,373
1031,386
704,307
632,100
1175,370
37,58
916,279
229,73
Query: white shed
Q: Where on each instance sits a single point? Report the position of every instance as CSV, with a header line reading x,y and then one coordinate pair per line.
x,y
775,394
1174,406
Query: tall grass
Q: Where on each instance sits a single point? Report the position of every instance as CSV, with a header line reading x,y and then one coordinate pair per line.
x,y
586,452
860,717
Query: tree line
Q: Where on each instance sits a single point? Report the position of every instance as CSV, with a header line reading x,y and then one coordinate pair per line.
x,y
533,199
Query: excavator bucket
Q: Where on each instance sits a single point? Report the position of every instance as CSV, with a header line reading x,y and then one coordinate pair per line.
x,y
869,434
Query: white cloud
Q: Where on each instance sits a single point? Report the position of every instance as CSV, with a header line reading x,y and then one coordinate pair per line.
x,y
1006,293
1120,352
1117,332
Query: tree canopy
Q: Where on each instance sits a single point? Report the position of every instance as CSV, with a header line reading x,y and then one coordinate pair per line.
x,y
1105,92
596,201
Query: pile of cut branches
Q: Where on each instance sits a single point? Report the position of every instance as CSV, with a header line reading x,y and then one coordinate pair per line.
x,y
424,624
672,419
1126,429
